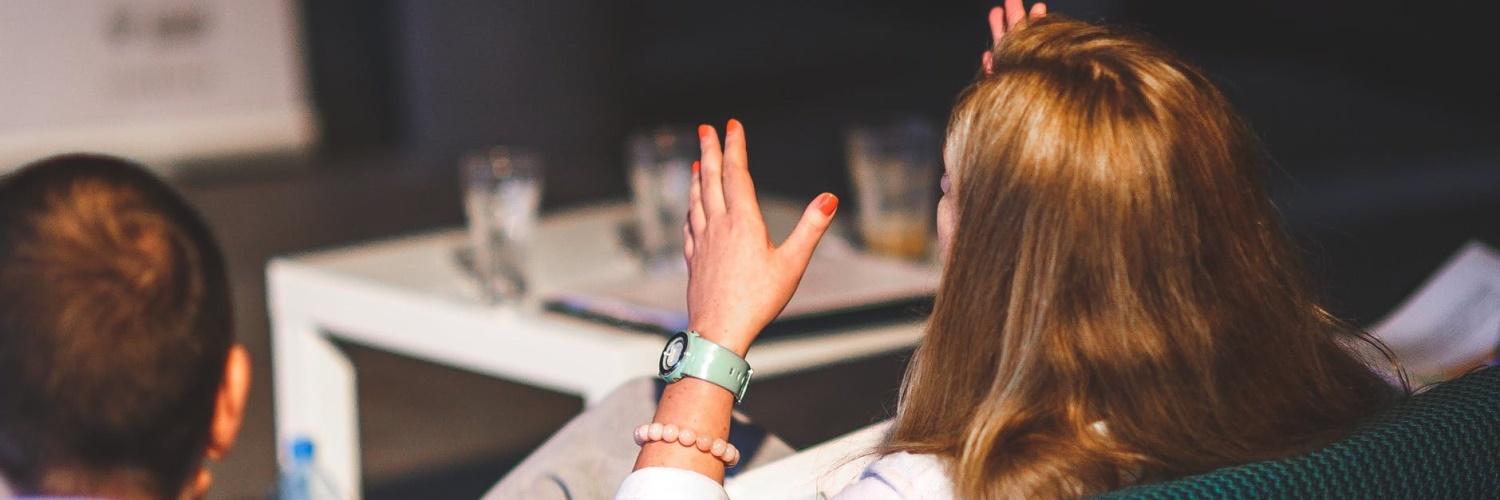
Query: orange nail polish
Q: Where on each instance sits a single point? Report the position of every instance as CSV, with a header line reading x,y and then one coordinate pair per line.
x,y
697,165
734,126
828,203
704,131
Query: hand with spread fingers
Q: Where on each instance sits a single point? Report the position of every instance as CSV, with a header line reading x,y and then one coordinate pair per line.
x,y
738,279
1010,17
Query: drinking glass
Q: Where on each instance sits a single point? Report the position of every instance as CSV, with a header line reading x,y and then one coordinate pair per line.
x,y
894,167
660,167
502,190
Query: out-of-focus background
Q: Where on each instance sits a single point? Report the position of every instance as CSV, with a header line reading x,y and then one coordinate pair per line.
x,y
301,125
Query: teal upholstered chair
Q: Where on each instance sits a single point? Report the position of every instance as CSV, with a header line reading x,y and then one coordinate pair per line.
x,y
1442,443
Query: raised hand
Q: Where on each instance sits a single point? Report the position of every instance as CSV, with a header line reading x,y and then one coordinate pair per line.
x,y
1006,19
738,280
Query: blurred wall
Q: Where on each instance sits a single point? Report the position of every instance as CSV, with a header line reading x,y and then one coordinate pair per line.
x,y
350,52
537,74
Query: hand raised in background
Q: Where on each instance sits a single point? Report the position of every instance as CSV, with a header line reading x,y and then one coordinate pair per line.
x,y
738,280
1010,17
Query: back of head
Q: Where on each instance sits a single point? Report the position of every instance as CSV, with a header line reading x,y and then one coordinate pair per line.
x,y
114,329
1115,262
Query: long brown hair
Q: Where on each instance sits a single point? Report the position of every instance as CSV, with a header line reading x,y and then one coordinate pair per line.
x,y
1116,260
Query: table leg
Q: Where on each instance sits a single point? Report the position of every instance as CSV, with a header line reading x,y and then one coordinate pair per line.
x,y
315,398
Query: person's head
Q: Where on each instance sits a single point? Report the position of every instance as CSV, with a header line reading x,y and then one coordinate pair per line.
x,y
1111,257
118,371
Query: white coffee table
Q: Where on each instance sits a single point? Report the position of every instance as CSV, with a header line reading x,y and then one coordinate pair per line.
x,y
407,296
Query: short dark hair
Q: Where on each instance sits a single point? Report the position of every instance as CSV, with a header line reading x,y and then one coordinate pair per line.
x,y
114,326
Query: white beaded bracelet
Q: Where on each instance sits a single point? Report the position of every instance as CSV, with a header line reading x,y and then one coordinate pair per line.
x,y
669,433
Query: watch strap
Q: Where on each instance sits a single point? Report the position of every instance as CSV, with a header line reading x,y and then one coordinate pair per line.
x,y
706,360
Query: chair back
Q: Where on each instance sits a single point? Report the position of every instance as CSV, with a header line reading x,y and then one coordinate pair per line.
x,y
1442,443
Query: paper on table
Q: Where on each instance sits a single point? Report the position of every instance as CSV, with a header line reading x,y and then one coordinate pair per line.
x,y
844,282
1453,320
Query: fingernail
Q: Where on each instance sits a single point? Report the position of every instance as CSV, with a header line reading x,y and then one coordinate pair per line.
x,y
828,203
697,165
704,131
734,126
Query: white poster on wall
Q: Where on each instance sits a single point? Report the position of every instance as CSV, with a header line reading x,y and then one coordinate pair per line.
x,y
154,80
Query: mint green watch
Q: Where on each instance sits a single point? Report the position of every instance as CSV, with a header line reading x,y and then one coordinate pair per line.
x,y
688,354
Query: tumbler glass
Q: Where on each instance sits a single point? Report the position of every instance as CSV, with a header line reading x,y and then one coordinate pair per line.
x,y
894,167
502,191
660,168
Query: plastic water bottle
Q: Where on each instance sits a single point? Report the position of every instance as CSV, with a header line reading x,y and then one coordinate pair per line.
x,y
301,479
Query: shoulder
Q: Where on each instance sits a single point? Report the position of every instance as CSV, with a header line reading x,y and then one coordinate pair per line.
x,y
902,475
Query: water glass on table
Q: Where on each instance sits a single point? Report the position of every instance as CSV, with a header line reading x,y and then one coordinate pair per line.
x,y
894,167
502,191
660,167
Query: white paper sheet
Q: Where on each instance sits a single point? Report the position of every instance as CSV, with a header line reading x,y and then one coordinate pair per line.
x,y
839,281
1453,320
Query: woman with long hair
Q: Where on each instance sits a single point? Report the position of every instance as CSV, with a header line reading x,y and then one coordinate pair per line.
x,y
1119,303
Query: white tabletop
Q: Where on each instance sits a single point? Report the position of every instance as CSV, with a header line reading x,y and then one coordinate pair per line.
x,y
574,247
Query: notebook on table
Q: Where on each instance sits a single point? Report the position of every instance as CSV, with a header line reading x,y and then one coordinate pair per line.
x,y
838,291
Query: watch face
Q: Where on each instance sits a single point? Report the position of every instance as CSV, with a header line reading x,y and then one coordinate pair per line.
x,y
672,354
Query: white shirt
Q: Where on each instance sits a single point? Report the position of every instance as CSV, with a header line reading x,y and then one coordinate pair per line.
x,y
898,476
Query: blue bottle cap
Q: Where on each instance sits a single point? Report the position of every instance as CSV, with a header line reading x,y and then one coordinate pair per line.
x,y
302,450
